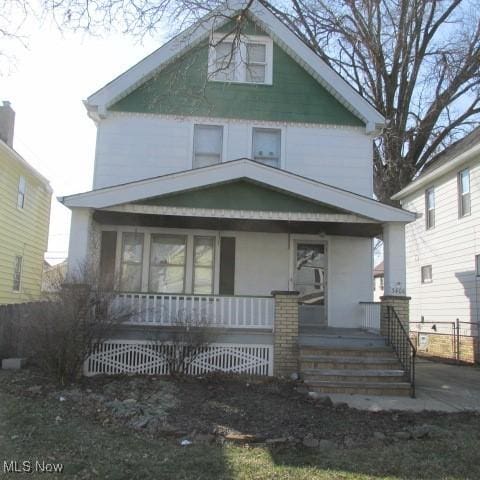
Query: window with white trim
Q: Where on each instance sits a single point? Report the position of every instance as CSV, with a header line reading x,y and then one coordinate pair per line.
x,y
22,187
266,145
247,61
131,262
426,272
203,265
167,263
464,193
17,273
430,208
477,265
207,145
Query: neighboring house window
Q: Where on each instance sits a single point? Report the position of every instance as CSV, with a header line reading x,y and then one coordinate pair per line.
x,y
381,279
477,265
203,263
427,274
248,61
464,193
167,264
267,146
131,262
207,145
430,208
22,185
17,273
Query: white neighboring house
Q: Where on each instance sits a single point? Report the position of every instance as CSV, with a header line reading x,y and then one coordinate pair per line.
x,y
217,189
378,282
443,244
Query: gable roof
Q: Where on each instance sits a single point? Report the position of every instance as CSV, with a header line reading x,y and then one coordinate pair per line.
x,y
448,159
125,83
241,169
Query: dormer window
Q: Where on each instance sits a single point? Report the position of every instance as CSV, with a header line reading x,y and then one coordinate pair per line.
x,y
249,61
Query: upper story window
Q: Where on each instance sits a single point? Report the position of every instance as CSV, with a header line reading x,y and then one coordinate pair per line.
x,y
266,144
477,265
247,61
22,186
426,272
17,273
464,193
430,208
207,145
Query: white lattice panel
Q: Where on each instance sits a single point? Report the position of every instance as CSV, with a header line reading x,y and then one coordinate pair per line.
x,y
143,357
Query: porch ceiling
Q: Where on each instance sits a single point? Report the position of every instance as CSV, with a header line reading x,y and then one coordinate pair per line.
x,y
208,223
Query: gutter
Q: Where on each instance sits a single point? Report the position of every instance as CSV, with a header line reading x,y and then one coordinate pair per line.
x,y
438,172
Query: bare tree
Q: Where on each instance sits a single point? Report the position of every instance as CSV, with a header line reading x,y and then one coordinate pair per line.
x,y
416,61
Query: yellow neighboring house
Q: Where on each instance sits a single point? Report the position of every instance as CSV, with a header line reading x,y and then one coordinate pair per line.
x,y
24,217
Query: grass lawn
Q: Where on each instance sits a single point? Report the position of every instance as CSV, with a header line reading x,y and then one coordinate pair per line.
x,y
42,427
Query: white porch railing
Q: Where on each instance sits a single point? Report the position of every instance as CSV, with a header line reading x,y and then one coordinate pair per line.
x,y
209,310
370,315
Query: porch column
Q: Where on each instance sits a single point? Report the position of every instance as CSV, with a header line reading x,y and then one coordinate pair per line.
x,y
395,276
80,236
285,348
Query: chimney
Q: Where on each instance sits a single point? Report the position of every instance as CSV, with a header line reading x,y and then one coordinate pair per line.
x,y
7,123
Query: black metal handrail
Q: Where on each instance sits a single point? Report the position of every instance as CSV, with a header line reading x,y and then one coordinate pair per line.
x,y
399,339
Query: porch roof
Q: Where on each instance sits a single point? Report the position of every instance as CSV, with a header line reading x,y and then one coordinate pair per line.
x,y
171,194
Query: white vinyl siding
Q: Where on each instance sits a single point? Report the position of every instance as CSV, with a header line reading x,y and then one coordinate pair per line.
x,y
464,193
451,248
162,145
207,145
267,145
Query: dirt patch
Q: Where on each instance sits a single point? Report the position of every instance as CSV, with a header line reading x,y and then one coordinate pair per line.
x,y
237,409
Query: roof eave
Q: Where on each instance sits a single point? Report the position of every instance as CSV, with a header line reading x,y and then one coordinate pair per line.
x,y
424,180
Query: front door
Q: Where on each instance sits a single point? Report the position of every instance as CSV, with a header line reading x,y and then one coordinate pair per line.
x,y
310,280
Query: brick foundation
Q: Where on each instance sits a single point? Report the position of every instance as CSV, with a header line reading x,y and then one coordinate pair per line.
x,y
285,348
401,306
444,346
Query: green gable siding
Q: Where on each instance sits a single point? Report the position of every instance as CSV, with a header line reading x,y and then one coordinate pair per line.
x,y
241,195
181,89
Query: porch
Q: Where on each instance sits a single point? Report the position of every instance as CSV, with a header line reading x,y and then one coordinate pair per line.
x,y
251,251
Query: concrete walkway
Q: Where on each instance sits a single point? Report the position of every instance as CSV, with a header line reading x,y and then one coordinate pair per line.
x,y
439,387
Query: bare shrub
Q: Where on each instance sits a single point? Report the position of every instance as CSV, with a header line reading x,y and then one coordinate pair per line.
x,y
188,337
63,329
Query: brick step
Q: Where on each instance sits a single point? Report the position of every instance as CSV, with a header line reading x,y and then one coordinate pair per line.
x,y
358,388
355,362
311,376
346,351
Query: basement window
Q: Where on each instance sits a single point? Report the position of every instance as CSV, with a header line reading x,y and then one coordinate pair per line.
x,y
246,61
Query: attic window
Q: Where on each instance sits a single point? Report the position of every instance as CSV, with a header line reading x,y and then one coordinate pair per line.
x,y
249,61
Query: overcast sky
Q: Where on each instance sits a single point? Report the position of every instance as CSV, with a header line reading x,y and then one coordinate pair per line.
x,y
46,85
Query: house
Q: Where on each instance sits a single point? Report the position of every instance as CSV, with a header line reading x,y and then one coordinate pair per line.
x,y
25,197
443,249
53,276
378,282
235,187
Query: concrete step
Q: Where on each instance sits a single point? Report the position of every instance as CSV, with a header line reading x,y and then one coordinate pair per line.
x,y
361,388
346,351
311,376
348,362
340,341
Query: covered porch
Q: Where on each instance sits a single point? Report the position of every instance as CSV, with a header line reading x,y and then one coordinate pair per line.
x,y
241,247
